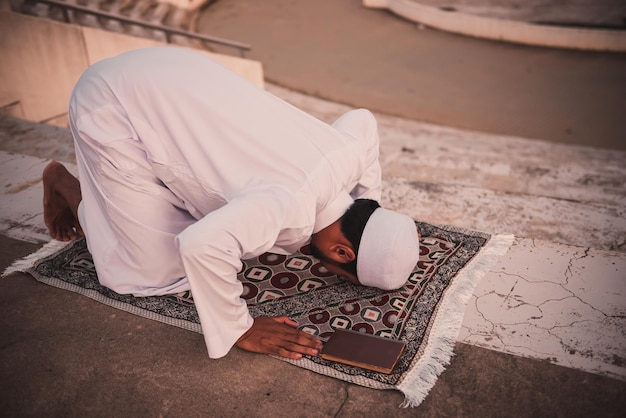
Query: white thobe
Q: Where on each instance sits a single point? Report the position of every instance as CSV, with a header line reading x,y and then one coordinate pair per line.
x,y
186,169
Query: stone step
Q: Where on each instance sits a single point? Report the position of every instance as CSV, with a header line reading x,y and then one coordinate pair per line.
x,y
149,11
559,293
534,189
548,301
568,194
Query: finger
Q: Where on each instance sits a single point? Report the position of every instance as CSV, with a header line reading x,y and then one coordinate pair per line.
x,y
296,335
293,350
301,342
289,354
313,341
299,348
286,320
276,345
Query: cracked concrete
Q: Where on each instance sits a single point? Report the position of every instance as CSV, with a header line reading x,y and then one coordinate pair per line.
x,y
558,296
553,302
559,293
495,183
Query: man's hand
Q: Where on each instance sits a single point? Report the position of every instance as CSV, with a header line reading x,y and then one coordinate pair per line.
x,y
279,336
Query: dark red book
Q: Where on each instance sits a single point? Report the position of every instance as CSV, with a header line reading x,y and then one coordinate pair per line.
x,y
363,350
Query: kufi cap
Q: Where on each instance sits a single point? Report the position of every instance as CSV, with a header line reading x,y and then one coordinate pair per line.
x,y
389,250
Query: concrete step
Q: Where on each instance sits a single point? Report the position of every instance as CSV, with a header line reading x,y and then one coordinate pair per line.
x,y
548,301
571,195
558,295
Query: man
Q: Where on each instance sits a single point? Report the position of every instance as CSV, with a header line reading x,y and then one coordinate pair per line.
x,y
186,169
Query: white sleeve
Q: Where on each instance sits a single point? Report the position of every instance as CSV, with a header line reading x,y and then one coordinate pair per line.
x,y
211,252
369,184
361,124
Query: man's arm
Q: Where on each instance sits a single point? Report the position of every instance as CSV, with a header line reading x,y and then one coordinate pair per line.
x,y
362,125
211,251
369,185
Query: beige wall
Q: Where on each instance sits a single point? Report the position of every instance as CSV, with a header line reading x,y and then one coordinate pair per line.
x,y
100,44
41,60
503,29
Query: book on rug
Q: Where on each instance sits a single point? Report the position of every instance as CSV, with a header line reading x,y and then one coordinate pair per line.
x,y
363,350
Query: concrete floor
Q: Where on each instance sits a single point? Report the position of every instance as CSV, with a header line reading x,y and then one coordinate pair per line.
x,y
66,355
62,354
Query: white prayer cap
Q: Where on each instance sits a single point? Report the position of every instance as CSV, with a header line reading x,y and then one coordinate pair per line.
x,y
389,250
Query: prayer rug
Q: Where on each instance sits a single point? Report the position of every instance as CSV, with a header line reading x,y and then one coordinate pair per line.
x,y
426,313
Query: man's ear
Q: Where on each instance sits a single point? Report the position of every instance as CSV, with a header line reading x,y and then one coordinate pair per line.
x,y
342,253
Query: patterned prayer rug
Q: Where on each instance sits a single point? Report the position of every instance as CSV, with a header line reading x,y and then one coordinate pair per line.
x,y
426,313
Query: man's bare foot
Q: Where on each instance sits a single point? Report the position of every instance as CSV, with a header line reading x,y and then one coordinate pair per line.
x,y
61,196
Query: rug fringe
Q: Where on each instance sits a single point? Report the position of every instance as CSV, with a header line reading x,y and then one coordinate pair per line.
x,y
25,263
437,351
440,346
51,249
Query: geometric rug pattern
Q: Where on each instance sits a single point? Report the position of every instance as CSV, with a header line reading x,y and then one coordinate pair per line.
x,y
426,313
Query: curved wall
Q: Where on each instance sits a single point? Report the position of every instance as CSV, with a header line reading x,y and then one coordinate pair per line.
x,y
505,30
